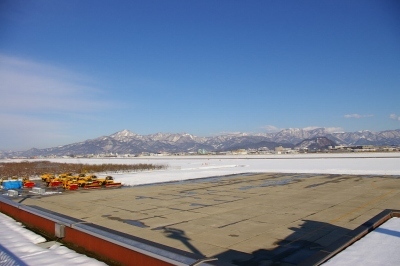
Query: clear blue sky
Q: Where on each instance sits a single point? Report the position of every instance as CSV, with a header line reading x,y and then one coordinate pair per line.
x,y
72,70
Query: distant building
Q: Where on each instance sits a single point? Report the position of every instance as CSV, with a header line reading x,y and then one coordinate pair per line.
x,y
279,148
282,150
202,151
240,152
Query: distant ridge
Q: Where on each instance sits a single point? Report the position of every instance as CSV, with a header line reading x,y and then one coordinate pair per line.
x,y
127,142
316,143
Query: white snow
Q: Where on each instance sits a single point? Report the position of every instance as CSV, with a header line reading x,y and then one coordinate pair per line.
x,y
192,167
379,247
22,244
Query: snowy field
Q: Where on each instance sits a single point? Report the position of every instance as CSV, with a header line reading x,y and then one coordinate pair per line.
x,y
192,167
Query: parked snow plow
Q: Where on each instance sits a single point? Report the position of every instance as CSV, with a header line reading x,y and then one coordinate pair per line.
x,y
71,186
51,180
70,183
88,181
55,183
47,176
108,182
26,183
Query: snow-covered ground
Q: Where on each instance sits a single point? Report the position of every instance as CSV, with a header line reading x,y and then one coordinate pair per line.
x,y
379,247
19,246
192,167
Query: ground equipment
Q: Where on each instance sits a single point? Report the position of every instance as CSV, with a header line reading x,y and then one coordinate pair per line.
x,y
108,181
70,183
27,183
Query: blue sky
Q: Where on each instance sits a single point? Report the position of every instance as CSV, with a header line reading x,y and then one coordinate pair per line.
x,y
77,69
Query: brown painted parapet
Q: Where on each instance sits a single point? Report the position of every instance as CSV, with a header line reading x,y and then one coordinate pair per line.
x,y
108,245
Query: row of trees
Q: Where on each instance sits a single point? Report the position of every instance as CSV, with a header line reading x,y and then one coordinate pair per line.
x,y
26,168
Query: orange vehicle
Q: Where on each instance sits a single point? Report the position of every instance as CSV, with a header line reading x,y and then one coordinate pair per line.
x,y
27,183
55,182
52,181
71,183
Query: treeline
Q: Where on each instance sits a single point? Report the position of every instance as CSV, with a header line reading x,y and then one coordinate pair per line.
x,y
27,168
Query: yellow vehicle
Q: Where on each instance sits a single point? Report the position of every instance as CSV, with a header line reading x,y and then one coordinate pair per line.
x,y
70,183
105,180
88,180
52,181
68,176
64,175
46,176
108,181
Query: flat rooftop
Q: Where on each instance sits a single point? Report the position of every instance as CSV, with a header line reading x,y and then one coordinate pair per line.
x,y
271,218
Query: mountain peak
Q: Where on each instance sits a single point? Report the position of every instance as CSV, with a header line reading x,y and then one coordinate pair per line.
x,y
122,134
125,131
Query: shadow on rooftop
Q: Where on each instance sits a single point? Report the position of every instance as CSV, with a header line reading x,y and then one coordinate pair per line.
x,y
181,236
304,242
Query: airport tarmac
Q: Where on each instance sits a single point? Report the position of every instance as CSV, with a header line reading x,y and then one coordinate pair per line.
x,y
257,219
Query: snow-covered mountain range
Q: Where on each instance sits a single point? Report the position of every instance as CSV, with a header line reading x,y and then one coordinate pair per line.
x,y
127,142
